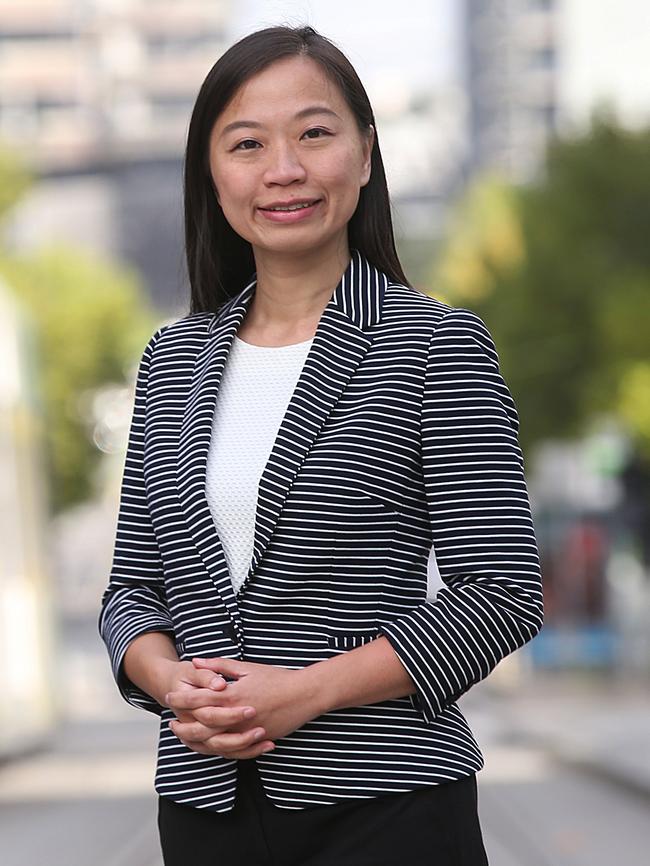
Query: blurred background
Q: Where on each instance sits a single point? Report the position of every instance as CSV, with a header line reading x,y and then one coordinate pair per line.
x,y
516,137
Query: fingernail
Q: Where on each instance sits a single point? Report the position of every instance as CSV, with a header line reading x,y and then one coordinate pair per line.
x,y
259,733
216,683
268,748
249,712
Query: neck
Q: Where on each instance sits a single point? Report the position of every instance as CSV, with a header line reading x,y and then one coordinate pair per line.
x,y
292,290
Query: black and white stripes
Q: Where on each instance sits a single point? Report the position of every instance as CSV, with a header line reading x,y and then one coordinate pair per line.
x,y
400,433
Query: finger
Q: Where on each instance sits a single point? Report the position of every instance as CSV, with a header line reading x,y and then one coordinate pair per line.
x,y
199,748
219,718
223,717
191,730
202,678
221,741
191,699
251,752
184,716
229,744
229,667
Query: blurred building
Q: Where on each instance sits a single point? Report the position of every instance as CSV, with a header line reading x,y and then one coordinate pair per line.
x,y
97,95
510,74
533,68
86,83
422,139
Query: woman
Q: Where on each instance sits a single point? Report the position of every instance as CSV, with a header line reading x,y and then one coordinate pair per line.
x,y
299,442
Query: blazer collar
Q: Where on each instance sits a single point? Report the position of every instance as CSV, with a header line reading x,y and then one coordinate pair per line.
x,y
342,338
358,295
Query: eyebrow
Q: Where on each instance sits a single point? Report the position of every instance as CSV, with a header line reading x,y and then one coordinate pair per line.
x,y
305,112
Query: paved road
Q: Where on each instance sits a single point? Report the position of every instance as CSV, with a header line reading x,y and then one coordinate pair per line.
x,y
88,799
536,811
65,807
85,801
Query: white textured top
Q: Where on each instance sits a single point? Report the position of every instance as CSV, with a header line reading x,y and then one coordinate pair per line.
x,y
254,393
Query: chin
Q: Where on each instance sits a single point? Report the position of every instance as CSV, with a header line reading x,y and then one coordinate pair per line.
x,y
294,244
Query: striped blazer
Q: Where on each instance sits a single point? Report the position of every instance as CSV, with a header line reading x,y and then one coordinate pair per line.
x,y
400,435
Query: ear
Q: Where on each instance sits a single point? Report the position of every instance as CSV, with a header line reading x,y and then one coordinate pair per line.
x,y
368,144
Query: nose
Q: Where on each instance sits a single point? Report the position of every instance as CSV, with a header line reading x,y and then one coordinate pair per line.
x,y
284,165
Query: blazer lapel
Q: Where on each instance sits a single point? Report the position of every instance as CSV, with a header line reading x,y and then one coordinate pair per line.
x,y
339,345
194,443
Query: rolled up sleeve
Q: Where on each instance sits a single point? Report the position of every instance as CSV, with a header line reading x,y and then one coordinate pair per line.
x,y
481,524
134,600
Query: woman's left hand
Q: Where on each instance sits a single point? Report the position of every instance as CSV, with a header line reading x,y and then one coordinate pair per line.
x,y
279,696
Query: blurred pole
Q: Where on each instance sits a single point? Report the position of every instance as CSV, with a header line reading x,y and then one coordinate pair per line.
x,y
26,620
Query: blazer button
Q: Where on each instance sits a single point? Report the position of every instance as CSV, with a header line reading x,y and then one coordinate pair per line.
x,y
230,632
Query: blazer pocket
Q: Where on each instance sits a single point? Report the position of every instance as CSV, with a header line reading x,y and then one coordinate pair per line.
x,y
349,640
209,644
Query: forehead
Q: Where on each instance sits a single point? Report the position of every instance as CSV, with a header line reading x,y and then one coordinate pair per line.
x,y
281,90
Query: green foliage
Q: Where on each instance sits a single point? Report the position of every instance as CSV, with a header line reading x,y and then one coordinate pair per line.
x,y
560,271
91,324
15,177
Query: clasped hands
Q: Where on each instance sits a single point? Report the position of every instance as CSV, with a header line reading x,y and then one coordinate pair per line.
x,y
240,718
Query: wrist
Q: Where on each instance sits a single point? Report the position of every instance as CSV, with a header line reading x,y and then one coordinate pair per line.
x,y
149,662
162,672
315,687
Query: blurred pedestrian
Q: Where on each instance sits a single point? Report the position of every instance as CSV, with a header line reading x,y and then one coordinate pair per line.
x,y
299,441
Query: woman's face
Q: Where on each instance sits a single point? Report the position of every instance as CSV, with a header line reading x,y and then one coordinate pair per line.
x,y
288,136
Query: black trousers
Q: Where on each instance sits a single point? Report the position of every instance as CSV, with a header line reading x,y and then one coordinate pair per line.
x,y
435,826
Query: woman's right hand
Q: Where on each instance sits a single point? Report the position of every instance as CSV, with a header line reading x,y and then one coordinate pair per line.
x,y
245,740
151,662
179,676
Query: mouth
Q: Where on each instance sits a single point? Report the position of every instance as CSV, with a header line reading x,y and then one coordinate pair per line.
x,y
289,207
290,212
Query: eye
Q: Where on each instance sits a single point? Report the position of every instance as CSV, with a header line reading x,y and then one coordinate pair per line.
x,y
317,129
245,141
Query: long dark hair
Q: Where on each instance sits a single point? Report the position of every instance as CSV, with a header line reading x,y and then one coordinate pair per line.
x,y
220,262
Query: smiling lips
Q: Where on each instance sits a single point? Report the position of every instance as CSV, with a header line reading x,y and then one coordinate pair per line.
x,y
290,212
290,205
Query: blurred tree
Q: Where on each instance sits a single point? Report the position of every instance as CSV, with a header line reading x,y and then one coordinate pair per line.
x,y
91,321
15,177
560,271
